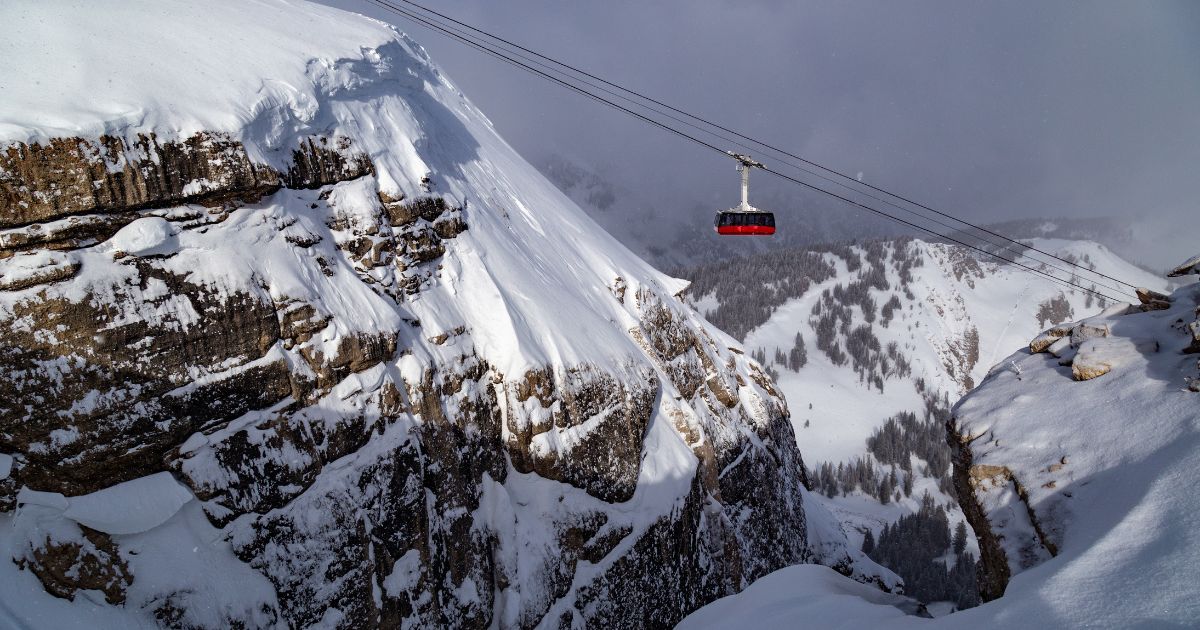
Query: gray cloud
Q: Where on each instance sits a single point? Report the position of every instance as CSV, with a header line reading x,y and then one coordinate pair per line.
x,y
991,111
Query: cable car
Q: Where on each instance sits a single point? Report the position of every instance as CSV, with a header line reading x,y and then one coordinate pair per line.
x,y
745,220
736,222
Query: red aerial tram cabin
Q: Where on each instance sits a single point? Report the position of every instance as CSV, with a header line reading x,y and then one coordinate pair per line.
x,y
734,223
745,219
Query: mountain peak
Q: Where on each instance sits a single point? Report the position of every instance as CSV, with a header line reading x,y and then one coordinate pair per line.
x,y
332,343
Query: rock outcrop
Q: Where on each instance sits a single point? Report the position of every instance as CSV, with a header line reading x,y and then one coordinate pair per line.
x,y
1187,267
1084,347
1039,430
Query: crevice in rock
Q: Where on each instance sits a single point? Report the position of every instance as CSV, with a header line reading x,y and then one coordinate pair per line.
x,y
994,572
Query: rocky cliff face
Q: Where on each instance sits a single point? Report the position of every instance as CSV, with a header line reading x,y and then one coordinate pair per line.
x,y
1087,406
386,373
129,366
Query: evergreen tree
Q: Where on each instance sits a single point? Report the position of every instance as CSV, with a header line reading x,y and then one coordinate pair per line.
x,y
913,547
868,542
798,356
960,538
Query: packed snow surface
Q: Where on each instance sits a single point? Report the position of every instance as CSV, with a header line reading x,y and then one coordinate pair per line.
x,y
809,596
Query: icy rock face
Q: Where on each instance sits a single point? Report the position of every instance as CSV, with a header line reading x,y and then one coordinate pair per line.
x,y
1031,438
406,379
30,269
68,558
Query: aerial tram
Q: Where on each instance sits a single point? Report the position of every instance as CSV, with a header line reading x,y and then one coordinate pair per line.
x,y
745,220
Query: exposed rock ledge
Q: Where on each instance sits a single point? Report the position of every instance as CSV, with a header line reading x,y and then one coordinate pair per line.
x,y
105,182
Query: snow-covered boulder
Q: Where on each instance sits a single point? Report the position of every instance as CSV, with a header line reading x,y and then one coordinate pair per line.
x,y
1086,347
406,379
1081,333
150,236
1096,358
1152,300
1048,338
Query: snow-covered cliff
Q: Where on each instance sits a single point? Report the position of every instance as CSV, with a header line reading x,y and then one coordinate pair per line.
x,y
1077,459
292,337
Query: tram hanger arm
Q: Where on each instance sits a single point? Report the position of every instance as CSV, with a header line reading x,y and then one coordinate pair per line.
x,y
745,159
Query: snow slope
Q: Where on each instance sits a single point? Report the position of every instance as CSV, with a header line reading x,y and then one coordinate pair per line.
x,y
494,429
1105,467
361,80
803,595
949,299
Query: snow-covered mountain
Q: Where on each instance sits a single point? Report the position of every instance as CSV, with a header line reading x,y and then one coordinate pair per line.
x,y
1077,458
872,344
292,338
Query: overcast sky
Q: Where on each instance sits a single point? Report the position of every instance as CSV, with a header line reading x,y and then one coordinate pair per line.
x,y
989,110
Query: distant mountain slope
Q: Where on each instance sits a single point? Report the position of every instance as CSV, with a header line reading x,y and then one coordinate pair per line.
x,y
1077,458
871,344
950,313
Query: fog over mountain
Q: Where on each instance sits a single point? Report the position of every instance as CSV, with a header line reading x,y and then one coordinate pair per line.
x,y
990,111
